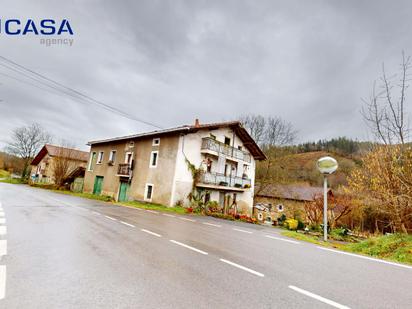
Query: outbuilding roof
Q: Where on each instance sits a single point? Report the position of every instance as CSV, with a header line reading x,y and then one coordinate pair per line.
x,y
56,151
236,126
295,192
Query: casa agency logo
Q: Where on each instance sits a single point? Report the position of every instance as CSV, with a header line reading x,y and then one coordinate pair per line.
x,y
50,31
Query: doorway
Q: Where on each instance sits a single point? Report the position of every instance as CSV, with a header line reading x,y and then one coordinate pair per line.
x,y
98,183
123,190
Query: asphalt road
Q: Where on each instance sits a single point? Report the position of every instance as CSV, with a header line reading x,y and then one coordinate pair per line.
x,y
59,251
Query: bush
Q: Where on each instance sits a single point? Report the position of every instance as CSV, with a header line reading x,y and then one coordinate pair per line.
x,y
282,219
301,225
291,224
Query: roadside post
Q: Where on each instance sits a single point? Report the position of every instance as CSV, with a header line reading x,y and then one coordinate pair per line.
x,y
327,166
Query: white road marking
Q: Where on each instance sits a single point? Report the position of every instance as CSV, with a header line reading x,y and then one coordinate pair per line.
x,y
317,297
188,247
151,233
243,231
3,230
365,257
152,211
2,281
3,247
211,224
1,214
96,213
2,220
111,218
167,215
187,219
128,224
282,239
243,268
137,208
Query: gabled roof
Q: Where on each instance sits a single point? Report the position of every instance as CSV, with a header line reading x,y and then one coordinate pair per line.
x,y
291,192
56,151
236,126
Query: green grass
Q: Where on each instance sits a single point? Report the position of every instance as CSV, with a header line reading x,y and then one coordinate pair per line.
x,y
396,248
179,210
105,198
15,181
4,174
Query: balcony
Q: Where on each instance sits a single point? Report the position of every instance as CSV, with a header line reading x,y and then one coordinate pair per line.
x,y
221,180
124,170
212,145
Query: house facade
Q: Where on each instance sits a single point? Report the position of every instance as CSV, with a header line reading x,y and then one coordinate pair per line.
x,y
157,166
44,163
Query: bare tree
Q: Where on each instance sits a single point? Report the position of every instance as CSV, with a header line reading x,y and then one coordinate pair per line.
x,y
279,132
271,133
256,125
26,142
65,161
384,111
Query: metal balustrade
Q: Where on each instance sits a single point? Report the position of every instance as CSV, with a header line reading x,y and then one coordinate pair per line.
x,y
218,147
223,180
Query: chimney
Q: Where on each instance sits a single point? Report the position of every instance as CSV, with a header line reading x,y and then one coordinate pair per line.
x,y
197,124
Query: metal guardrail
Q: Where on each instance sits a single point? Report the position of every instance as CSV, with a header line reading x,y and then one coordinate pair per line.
x,y
213,145
223,180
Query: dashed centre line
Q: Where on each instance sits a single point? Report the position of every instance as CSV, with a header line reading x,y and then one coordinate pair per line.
x,y
1,214
3,230
282,239
2,220
96,213
108,217
168,215
212,224
2,281
3,247
243,268
317,297
151,233
187,219
152,211
243,231
125,223
188,247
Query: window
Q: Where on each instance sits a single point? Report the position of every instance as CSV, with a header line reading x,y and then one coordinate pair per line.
x,y
100,157
280,207
92,158
156,142
131,144
212,136
148,192
239,147
227,141
112,156
128,158
153,159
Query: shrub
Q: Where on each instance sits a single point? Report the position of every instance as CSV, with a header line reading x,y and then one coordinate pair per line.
x,y
291,224
282,219
301,225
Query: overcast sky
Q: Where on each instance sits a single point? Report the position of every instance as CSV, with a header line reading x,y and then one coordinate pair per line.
x,y
169,62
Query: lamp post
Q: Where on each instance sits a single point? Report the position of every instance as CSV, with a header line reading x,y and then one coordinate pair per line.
x,y
327,166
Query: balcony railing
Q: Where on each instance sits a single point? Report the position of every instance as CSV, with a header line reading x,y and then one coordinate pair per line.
x,y
124,170
223,180
218,147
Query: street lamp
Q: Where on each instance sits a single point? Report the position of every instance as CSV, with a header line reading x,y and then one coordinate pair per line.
x,y
327,166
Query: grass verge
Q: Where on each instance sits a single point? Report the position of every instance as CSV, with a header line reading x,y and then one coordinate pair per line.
x,y
396,247
15,181
109,199
4,174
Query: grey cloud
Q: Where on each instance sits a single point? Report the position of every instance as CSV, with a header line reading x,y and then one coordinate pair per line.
x,y
169,62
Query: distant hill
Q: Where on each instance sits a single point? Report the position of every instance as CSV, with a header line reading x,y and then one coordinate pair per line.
x,y
301,167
